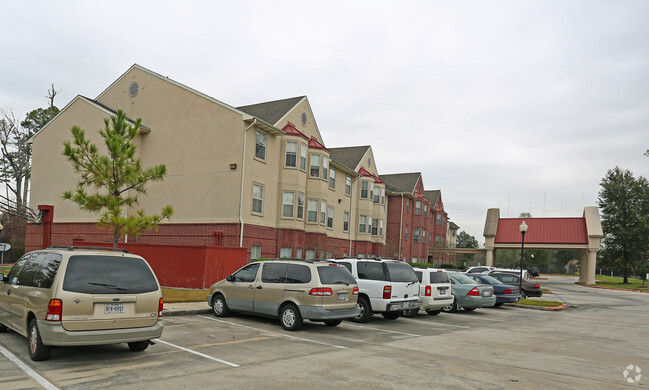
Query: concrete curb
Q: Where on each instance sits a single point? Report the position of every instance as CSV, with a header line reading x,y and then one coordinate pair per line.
x,y
542,308
611,288
184,312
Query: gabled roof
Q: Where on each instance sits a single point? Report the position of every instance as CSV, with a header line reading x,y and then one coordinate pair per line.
x,y
290,129
272,112
452,225
315,144
401,182
542,231
349,157
432,195
366,173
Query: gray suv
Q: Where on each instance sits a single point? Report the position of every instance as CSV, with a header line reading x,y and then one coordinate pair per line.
x,y
68,296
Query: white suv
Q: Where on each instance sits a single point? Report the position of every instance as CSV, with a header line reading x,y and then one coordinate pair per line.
x,y
386,286
435,291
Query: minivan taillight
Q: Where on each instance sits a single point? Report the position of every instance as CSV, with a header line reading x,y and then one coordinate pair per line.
x,y
321,291
387,292
507,291
160,305
429,291
54,310
474,291
355,291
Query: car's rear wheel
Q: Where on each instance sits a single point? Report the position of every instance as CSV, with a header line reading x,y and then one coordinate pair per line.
x,y
433,312
37,350
469,308
138,346
498,304
219,307
366,310
390,315
289,317
333,322
3,328
524,294
452,308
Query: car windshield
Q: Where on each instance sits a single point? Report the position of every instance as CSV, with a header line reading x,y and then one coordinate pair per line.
x,y
335,275
108,275
401,272
462,279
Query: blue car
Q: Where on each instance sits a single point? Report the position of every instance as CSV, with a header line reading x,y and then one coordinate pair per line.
x,y
505,293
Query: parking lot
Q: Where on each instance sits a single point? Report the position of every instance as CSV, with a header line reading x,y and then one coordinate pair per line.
x,y
587,346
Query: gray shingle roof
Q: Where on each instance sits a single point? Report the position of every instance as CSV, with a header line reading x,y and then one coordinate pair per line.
x,y
401,182
271,112
348,157
432,196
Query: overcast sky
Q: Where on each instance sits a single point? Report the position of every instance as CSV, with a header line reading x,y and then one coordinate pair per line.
x,y
521,105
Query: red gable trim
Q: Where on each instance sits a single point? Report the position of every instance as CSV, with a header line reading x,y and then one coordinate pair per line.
x,y
290,129
315,144
366,173
542,231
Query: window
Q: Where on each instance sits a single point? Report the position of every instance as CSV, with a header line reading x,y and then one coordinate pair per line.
x,y
288,204
383,196
255,252
257,198
439,219
312,212
407,205
300,205
375,227
346,221
325,167
315,165
310,254
285,273
376,195
426,210
406,239
423,236
332,179
260,145
348,185
436,239
285,253
417,207
303,149
415,235
40,270
323,212
330,217
298,253
362,224
291,154
372,270
247,274
381,227
101,274
12,276
364,189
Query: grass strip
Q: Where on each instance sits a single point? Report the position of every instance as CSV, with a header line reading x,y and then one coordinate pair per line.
x,y
172,295
537,302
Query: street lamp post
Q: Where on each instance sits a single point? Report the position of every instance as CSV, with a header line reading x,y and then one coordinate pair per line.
x,y
2,264
523,229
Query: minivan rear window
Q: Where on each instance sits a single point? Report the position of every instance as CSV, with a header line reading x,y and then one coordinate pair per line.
x,y
335,275
439,277
108,275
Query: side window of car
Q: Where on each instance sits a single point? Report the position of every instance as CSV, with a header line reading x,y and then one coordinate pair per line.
x,y
247,274
371,270
419,275
28,274
507,278
47,272
274,273
12,277
347,265
298,274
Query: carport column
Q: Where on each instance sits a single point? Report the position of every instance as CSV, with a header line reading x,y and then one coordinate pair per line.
x,y
490,228
590,273
583,267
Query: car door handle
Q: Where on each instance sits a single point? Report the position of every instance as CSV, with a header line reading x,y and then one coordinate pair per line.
x,y
259,287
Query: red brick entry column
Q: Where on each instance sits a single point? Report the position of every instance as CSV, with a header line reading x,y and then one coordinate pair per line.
x,y
48,217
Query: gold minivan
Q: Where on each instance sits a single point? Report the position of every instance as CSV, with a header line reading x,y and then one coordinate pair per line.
x,y
68,296
291,290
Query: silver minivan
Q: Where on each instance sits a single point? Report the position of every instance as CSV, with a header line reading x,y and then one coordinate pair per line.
x,y
69,296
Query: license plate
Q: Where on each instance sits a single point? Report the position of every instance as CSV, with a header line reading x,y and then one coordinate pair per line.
x,y
442,291
342,297
113,308
487,293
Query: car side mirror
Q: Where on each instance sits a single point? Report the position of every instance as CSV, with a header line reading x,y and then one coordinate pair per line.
x,y
230,278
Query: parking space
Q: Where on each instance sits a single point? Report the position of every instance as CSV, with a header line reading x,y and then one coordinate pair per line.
x,y
487,348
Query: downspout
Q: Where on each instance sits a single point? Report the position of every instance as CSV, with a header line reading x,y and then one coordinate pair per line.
x,y
401,227
243,168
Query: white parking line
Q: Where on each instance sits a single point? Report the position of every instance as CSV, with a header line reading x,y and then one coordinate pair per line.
x,y
197,353
384,330
41,381
277,334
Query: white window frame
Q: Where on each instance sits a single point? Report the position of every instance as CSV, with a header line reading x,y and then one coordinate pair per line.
x,y
346,221
330,217
291,154
315,168
332,178
255,252
365,185
362,223
258,195
303,152
261,140
325,167
300,205
288,204
283,254
348,185
323,212
312,211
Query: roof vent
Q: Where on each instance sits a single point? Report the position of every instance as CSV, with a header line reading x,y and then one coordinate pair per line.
x,y
133,89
